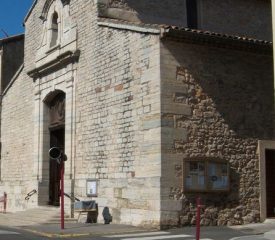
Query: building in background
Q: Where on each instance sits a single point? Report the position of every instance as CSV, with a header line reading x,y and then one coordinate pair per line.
x,y
154,103
11,58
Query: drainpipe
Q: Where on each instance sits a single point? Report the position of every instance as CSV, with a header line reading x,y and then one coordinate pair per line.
x,y
273,32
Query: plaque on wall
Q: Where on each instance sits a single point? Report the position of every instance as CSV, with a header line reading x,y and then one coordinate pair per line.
x,y
91,187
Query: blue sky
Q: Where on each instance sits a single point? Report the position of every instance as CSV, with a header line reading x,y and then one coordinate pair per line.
x,y
12,14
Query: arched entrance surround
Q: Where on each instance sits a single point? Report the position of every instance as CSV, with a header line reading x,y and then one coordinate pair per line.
x,y
54,70
50,130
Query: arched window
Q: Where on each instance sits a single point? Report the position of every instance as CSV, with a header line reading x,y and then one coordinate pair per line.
x,y
54,29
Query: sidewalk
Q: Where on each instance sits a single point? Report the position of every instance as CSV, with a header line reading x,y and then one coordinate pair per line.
x,y
270,235
266,228
72,229
32,221
81,229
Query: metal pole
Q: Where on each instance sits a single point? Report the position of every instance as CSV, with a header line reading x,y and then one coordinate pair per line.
x,y
62,194
198,219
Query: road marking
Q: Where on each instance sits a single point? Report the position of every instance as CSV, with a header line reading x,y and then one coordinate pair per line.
x,y
3,232
137,234
159,237
204,239
249,237
151,236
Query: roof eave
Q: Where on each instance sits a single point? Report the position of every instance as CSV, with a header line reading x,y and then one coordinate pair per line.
x,y
217,40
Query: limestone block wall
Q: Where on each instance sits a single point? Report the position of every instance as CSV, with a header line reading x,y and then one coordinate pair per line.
x,y
33,36
215,103
237,17
117,118
17,175
18,172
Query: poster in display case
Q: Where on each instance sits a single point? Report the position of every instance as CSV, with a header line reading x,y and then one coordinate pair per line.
x,y
206,175
91,187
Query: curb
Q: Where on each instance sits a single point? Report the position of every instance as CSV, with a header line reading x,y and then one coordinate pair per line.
x,y
56,235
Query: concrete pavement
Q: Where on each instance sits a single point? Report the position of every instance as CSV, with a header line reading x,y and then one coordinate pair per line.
x,y
28,222
101,231
270,235
81,229
267,229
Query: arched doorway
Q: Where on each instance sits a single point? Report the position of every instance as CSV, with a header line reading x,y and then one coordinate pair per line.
x,y
57,139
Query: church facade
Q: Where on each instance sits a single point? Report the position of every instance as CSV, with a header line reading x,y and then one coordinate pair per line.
x,y
154,104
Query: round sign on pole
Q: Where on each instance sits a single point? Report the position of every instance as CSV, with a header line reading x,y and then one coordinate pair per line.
x,y
55,153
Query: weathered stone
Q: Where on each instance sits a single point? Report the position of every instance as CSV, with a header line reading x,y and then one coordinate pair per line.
x,y
138,106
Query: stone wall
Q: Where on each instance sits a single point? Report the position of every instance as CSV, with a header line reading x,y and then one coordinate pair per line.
x,y
216,103
117,118
153,11
17,173
18,163
128,140
234,17
33,35
237,17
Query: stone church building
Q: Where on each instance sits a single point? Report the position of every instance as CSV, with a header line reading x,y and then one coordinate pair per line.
x,y
154,102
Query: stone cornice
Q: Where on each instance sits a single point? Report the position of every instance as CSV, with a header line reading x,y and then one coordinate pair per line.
x,y
118,24
63,59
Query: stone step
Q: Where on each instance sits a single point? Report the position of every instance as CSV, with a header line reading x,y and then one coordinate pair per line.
x,y
29,221
34,216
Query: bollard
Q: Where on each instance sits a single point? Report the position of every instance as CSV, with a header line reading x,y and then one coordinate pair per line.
x,y
198,219
5,202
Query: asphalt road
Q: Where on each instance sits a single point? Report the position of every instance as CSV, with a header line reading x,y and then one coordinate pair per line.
x,y
209,233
